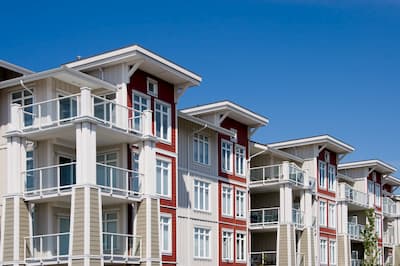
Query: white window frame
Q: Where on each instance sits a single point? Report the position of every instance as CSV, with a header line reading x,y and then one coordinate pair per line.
x,y
332,249
169,120
142,107
240,159
244,245
323,259
201,142
206,233
169,224
155,86
331,177
324,221
224,196
226,163
322,179
169,168
378,226
227,234
22,100
371,192
331,215
377,195
241,199
201,187
116,220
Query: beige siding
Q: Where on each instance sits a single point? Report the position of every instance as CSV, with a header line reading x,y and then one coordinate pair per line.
x,y
306,237
77,263
155,225
8,249
396,255
342,250
141,224
286,238
23,225
94,222
78,223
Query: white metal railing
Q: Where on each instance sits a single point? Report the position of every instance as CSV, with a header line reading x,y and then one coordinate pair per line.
x,y
265,216
49,180
388,237
46,248
53,112
297,217
121,247
356,262
117,115
263,258
118,181
354,195
355,230
389,207
276,173
296,174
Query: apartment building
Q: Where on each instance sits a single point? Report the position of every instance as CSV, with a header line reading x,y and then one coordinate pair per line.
x,y
100,168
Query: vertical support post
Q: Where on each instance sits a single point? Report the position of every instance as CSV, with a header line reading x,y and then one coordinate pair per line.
x,y
85,153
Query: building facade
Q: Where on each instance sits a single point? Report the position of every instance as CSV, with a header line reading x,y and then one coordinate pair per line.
x,y
99,167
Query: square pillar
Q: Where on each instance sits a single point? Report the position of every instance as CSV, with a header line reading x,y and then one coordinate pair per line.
x,y
85,153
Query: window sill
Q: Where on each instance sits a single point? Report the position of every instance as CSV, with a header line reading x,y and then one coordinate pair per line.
x,y
202,211
227,216
164,141
201,258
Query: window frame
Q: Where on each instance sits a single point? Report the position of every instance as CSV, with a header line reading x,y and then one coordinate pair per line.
x,y
244,239
325,261
325,224
231,245
333,187
377,193
169,162
332,259
229,160
154,82
206,190
324,178
140,105
243,157
226,186
244,197
205,147
169,120
169,224
331,216
207,233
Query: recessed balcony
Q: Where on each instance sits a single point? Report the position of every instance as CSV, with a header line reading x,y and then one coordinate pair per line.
x,y
357,199
355,231
389,208
388,238
264,219
263,258
121,248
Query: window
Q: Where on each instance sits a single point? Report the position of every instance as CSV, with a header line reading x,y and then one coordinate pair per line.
x,y
163,174
165,234
240,163
30,175
240,204
322,174
106,175
103,109
152,87
135,168
200,149
227,245
163,121
322,213
331,178
323,251
201,195
227,201
378,226
226,156
110,228
201,243
140,103
241,247
24,98
332,215
377,194
332,252
371,193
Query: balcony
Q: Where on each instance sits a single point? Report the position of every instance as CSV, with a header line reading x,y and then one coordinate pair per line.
x,y
356,262
388,238
121,248
263,258
389,261
353,196
47,249
298,218
58,180
355,231
389,208
264,218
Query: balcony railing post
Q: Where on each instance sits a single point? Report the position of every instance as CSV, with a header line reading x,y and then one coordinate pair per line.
x,y
147,123
16,118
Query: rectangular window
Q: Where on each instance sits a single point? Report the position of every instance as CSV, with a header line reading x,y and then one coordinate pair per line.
x,y
200,149
371,193
135,168
201,243
377,194
331,178
378,226
322,174
25,99
163,120
240,204
201,195
227,201
165,234
110,227
323,251
226,152
163,177
140,103
30,175
322,213
240,162
241,249
152,87
227,246
332,252
332,215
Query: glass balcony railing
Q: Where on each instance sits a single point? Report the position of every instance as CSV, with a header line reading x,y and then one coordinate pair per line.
x,y
296,174
263,258
355,196
298,218
47,248
277,173
355,230
389,207
388,238
356,262
121,247
264,217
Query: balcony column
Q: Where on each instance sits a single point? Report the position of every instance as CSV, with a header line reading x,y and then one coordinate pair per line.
x,y
307,236
343,242
121,98
15,213
286,198
147,224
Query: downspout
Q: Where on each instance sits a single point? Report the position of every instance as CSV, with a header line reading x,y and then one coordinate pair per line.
x,y
25,87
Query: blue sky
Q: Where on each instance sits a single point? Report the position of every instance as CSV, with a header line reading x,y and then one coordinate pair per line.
x,y
312,67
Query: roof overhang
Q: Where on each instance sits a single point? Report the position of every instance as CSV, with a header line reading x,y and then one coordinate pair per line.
x,y
377,165
231,110
345,177
391,180
329,142
258,148
65,74
205,124
15,68
149,62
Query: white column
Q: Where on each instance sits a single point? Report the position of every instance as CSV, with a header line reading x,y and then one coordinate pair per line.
x,y
86,102
342,212
286,198
85,153
121,98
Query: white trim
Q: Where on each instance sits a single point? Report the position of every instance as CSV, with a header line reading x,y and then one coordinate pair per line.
x,y
232,245
245,203
231,155
168,140
154,82
209,233
207,189
201,138
169,217
384,167
245,246
236,147
15,68
169,161
231,203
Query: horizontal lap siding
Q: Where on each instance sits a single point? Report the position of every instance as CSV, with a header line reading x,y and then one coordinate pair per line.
x,y
94,222
23,225
78,223
8,249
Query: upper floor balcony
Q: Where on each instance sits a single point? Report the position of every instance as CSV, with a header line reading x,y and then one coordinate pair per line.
x,y
389,208
388,238
269,218
270,176
355,231
356,198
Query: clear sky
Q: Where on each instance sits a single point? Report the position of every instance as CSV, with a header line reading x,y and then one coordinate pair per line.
x,y
312,67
